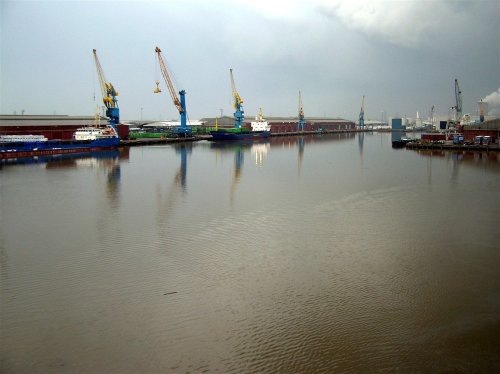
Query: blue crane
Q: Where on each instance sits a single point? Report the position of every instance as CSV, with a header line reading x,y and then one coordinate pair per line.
x,y
109,95
302,122
179,101
362,114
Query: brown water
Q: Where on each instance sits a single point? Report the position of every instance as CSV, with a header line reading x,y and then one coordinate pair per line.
x,y
319,254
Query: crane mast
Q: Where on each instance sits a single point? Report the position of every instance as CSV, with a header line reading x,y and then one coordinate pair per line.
x,y
237,103
301,123
179,101
109,95
362,114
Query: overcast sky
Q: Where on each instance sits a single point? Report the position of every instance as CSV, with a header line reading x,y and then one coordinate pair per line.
x,y
402,55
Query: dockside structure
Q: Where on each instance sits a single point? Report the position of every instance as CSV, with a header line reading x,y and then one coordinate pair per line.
x,y
487,128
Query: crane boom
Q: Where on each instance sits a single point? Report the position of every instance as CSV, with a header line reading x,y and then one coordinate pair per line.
x,y
301,123
168,81
236,96
237,103
179,101
109,94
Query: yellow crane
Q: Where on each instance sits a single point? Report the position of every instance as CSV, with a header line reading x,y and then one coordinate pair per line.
x,y
237,103
109,94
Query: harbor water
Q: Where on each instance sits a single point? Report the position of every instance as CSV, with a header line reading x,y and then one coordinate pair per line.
x,y
316,254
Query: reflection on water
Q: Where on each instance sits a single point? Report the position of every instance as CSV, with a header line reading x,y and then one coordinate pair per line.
x,y
301,144
396,136
69,159
183,149
107,161
486,161
189,258
259,150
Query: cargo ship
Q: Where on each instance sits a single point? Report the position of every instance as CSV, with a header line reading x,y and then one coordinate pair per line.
x,y
238,134
85,139
260,129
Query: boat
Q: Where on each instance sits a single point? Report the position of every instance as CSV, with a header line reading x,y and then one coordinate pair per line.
x,y
401,143
85,139
260,129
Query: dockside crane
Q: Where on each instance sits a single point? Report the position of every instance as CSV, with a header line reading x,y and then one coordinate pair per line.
x,y
302,122
362,114
456,110
109,95
458,99
179,101
237,103
432,118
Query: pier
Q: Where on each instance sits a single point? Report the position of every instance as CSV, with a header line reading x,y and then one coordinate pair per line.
x,y
454,147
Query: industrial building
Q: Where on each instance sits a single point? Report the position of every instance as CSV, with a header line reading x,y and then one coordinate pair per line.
x,y
489,128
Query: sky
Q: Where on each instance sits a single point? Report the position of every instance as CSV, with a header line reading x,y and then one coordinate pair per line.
x,y
403,56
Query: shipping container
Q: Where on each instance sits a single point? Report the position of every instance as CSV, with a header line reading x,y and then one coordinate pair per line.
x,y
458,139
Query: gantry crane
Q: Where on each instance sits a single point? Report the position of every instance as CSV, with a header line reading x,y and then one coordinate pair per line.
x,y
109,95
302,122
180,103
362,114
237,104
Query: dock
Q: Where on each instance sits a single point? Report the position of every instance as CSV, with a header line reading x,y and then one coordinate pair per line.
x,y
454,147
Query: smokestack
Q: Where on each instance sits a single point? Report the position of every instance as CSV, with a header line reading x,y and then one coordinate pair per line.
x,y
483,110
